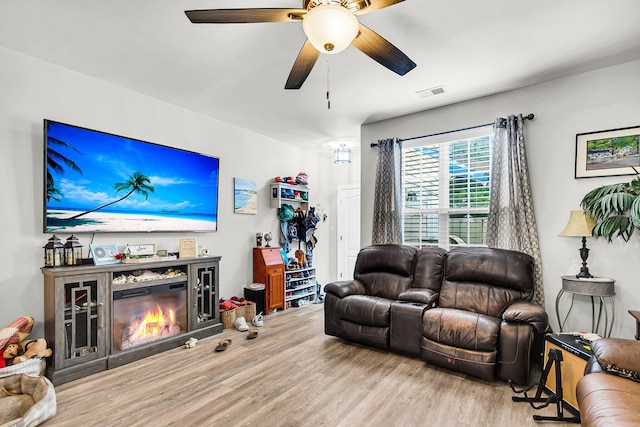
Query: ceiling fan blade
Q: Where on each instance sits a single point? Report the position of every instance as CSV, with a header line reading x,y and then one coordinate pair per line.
x,y
244,16
302,67
377,5
376,47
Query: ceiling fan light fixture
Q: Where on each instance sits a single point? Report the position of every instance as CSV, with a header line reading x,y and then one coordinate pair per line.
x,y
330,28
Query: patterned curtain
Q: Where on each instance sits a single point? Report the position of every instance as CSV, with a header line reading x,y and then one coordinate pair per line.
x,y
387,204
512,223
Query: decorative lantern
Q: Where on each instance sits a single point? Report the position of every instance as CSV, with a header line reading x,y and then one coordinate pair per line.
x,y
53,253
72,251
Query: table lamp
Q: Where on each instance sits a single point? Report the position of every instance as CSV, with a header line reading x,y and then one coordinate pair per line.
x,y
580,225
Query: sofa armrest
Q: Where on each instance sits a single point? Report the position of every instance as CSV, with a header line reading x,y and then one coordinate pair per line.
x,y
420,295
618,356
345,288
527,312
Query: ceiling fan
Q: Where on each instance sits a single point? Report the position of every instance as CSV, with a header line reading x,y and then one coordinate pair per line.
x,y
330,26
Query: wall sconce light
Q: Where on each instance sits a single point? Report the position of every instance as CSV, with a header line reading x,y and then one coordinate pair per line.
x,y
580,225
342,154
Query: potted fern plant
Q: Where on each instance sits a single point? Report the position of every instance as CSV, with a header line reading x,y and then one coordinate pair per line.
x,y
615,208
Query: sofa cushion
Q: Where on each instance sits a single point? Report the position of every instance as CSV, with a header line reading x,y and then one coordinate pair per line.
x,y
364,310
385,270
481,364
428,268
463,329
608,400
618,356
477,297
497,267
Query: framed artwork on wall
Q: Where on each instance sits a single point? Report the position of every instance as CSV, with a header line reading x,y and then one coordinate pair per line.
x,y
245,193
608,153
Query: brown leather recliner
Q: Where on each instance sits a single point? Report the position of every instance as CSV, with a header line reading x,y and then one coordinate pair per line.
x,y
360,310
483,324
609,393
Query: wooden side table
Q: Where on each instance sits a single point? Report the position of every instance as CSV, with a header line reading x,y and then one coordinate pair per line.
x,y
596,287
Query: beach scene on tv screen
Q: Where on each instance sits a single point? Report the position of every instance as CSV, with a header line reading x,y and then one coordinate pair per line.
x,y
98,182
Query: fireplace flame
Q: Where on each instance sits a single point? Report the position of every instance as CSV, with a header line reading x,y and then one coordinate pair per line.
x,y
156,323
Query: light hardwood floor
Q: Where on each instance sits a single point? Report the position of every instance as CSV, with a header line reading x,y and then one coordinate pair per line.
x,y
291,375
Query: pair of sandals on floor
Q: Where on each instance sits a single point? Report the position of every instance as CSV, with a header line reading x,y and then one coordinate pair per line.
x,y
242,326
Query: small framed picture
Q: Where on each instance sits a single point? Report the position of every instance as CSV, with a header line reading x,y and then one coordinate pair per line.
x,y
245,196
104,253
608,153
140,250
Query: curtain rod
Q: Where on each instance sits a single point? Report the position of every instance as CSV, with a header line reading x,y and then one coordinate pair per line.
x,y
529,116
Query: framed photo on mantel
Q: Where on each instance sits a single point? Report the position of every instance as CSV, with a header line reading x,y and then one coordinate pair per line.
x,y
608,153
188,248
105,253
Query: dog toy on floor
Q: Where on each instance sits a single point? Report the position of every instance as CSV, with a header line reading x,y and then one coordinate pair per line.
x,y
191,342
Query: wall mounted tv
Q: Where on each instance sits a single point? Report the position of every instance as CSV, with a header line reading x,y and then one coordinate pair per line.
x,y
99,182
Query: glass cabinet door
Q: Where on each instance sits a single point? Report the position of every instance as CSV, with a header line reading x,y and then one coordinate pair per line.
x,y
205,294
82,298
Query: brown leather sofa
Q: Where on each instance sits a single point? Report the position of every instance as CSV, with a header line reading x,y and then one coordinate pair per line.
x,y
609,393
467,309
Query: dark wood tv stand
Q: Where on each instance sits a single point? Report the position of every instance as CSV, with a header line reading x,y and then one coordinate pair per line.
x,y
79,313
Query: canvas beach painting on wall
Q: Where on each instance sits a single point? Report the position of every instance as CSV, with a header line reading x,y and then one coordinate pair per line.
x,y
245,196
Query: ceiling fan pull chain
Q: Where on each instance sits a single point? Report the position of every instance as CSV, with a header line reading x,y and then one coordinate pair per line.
x,y
328,82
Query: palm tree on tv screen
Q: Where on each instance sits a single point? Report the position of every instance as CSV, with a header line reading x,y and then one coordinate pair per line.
x,y
137,183
56,162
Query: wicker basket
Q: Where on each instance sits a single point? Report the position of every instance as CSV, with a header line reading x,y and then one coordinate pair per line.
x,y
228,318
248,311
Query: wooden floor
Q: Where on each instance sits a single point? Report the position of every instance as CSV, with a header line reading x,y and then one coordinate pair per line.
x,y
291,375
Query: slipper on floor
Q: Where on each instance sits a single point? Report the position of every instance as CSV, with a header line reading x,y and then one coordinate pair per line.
x,y
252,334
223,345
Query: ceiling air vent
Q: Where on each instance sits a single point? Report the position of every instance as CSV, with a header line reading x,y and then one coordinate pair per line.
x,y
430,92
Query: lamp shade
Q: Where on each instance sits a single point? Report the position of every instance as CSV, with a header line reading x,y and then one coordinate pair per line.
x,y
330,28
342,154
579,225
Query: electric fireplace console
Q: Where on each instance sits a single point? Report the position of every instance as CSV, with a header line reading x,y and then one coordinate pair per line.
x,y
100,317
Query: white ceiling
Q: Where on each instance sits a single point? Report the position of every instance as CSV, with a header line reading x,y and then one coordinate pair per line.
x,y
237,72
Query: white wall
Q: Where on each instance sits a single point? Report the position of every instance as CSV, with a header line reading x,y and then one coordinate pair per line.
x,y
604,99
33,90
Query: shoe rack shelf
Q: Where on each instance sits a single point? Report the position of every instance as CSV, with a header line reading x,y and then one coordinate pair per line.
x,y
300,286
287,193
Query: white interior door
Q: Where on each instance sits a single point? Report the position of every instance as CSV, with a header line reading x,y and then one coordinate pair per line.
x,y
348,229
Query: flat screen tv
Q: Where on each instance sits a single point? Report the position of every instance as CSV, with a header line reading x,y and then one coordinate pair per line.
x,y
100,182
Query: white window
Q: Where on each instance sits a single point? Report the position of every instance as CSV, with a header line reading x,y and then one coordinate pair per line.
x,y
445,180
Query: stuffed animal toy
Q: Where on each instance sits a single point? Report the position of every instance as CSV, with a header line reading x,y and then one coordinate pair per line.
x,y
191,342
9,353
33,348
16,331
